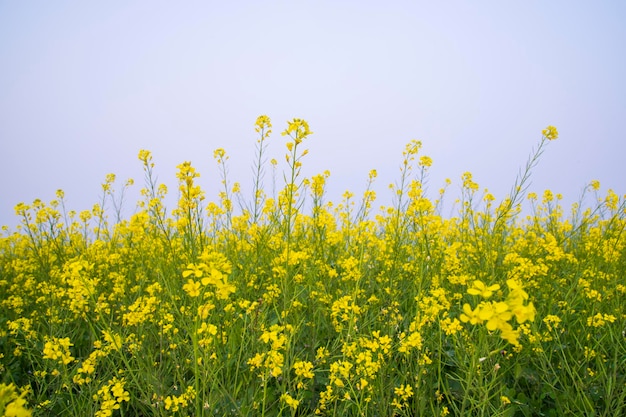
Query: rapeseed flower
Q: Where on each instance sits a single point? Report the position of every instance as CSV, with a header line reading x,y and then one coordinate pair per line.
x,y
289,401
404,392
298,129
303,369
263,123
110,396
550,133
58,350
192,288
496,314
600,320
479,288
470,316
177,403
408,343
450,326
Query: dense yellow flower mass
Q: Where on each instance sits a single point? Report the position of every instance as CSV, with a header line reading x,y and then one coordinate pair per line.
x,y
286,303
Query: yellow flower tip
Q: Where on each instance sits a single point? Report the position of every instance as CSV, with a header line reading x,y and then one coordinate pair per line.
x,y
425,161
263,122
550,133
144,156
219,153
297,128
595,184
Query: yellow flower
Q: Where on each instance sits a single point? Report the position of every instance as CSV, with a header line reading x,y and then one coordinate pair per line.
x,y
414,340
552,321
507,333
219,153
58,350
118,391
192,288
450,326
321,354
426,161
550,133
303,369
595,184
481,289
192,269
470,315
215,278
207,329
523,312
468,183
496,315
404,392
224,290
298,129
516,290
600,320
144,156
262,122
289,401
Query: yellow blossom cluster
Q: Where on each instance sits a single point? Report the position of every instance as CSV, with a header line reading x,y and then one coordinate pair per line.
x,y
211,272
110,396
176,403
58,350
270,363
497,315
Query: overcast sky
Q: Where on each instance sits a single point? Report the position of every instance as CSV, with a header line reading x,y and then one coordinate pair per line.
x,y
85,85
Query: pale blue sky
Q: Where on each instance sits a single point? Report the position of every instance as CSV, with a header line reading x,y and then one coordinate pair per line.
x,y
85,85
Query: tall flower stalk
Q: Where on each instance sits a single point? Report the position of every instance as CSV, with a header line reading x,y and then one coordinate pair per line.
x,y
263,126
522,182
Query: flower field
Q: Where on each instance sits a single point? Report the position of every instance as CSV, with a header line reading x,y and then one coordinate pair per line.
x,y
287,304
